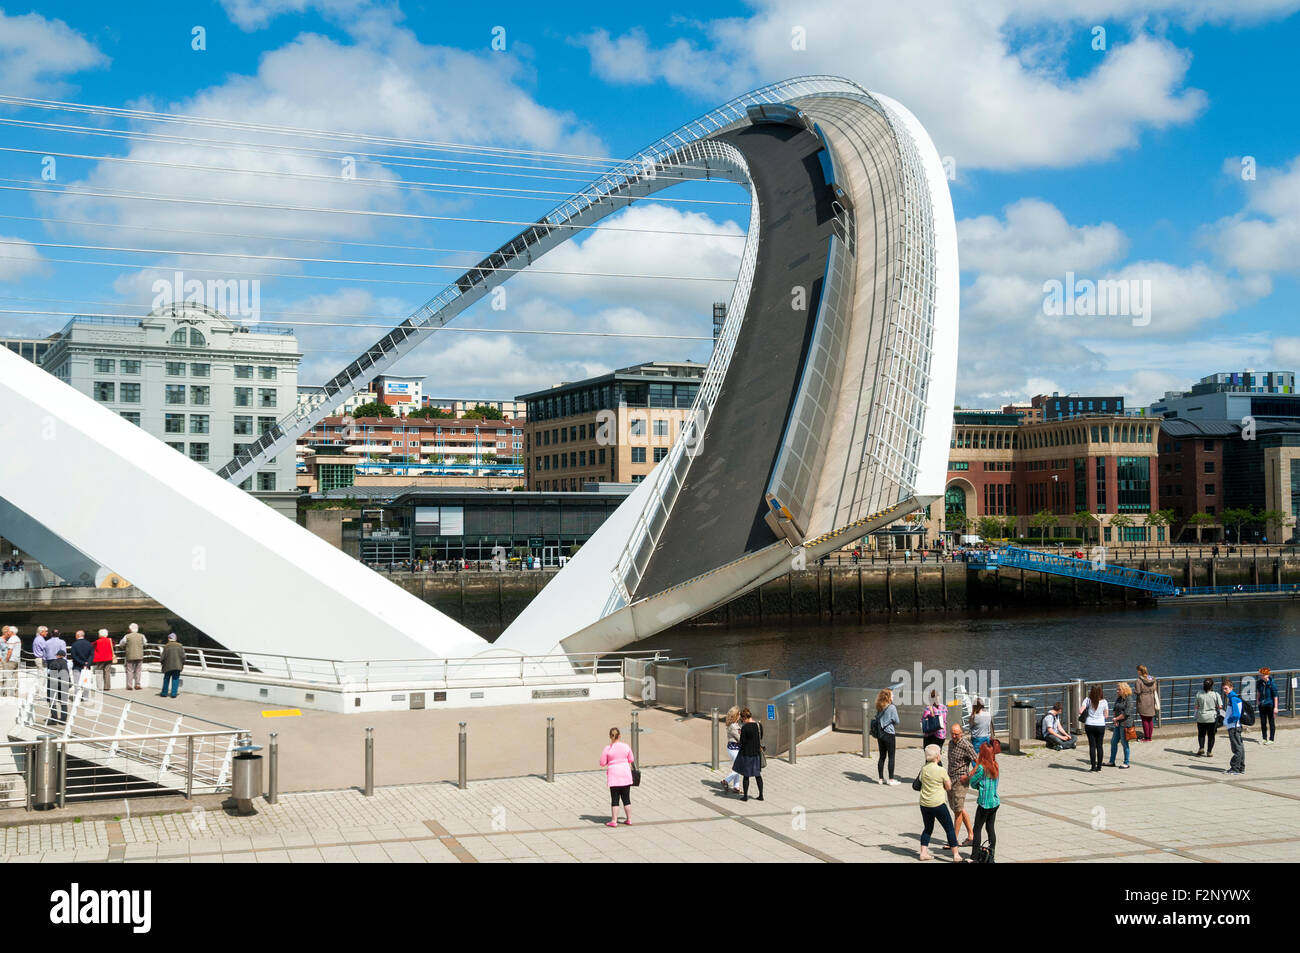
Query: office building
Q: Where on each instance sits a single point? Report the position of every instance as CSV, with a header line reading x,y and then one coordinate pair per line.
x,y
1058,407
1234,396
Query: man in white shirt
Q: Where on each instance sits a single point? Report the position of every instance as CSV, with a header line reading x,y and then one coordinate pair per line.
x,y
1054,732
11,651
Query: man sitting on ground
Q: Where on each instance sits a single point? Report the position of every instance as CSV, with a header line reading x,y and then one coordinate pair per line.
x,y
1054,732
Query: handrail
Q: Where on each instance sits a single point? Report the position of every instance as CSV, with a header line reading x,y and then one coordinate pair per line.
x,y
78,739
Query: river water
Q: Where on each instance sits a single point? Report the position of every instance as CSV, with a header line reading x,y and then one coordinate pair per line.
x,y
1024,648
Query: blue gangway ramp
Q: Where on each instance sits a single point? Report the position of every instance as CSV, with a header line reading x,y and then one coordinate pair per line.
x,y
1093,570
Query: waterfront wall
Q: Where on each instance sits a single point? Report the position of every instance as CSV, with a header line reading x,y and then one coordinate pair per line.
x,y
486,601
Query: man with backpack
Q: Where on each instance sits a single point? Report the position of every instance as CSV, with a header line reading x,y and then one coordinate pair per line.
x,y
1053,732
1237,712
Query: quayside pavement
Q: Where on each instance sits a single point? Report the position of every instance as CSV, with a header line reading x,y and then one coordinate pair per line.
x,y
1170,807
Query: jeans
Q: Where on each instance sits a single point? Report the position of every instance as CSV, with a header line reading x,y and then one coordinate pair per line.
x,y
931,814
1267,723
1117,735
1238,750
886,745
979,743
1148,728
734,776
1205,736
986,817
1096,735
174,680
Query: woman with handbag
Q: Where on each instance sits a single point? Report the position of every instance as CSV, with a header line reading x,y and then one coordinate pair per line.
x,y
616,759
1093,714
984,779
103,659
886,737
933,783
1209,715
750,760
732,781
1120,727
933,720
1148,702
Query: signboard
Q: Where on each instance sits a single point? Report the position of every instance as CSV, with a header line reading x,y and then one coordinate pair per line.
x,y
771,713
397,387
561,692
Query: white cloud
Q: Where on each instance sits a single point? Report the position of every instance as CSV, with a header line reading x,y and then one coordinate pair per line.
x,y
1265,235
251,15
19,259
36,53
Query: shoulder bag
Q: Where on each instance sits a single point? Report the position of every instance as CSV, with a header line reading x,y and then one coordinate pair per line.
x,y
762,748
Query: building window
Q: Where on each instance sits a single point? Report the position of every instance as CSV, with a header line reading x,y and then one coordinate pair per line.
x,y
243,397
200,370
601,454
103,366
179,337
244,372
175,368
197,339
200,396
198,423
266,482
178,447
266,373
266,398
636,428
105,391
264,424
1209,466
660,453
130,367
243,426
173,423
1209,445
661,428
638,454
130,393
199,452
1209,489
132,417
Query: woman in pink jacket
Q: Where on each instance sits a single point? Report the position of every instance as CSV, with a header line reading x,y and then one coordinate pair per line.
x,y
616,759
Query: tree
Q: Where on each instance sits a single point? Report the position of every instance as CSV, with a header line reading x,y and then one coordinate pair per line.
x,y
1085,520
956,521
1008,527
462,458
430,413
484,412
989,526
1160,518
1121,522
372,409
1236,517
1042,521
1200,521
1273,518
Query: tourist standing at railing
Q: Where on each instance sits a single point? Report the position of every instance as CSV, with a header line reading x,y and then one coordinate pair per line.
x,y
887,736
616,759
960,757
984,779
732,781
132,645
1093,714
933,783
1232,724
103,659
981,724
1119,723
11,655
1266,691
1209,713
933,717
54,646
38,648
750,760
1148,702
59,682
173,661
82,654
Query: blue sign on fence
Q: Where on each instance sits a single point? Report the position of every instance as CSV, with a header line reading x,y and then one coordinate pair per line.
x,y
771,713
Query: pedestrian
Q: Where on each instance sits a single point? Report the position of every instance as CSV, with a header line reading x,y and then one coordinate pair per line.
x,y
59,684
38,648
103,659
132,646
981,724
750,760
616,759
1119,723
984,779
54,646
886,735
1267,696
1232,706
933,717
1093,714
1148,702
82,653
933,782
960,758
1209,715
732,781
11,655
173,661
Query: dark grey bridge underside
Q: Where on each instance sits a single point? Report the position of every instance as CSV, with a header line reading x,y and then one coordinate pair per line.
x,y
718,517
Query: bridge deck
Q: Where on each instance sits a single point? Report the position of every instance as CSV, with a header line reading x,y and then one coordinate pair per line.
x,y
719,515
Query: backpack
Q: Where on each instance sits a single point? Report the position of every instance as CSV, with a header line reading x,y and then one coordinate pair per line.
x,y
875,727
1247,713
982,855
1038,729
930,724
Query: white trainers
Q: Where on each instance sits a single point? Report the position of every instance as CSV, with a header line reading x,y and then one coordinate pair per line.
x,y
893,780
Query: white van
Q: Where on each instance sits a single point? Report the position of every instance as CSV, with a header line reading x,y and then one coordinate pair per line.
x,y
972,541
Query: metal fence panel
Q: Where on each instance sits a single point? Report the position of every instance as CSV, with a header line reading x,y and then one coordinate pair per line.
x,y
814,707
713,689
755,693
669,685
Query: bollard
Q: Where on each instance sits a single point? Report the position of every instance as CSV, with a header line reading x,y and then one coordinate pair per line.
x,y
550,749
866,728
369,789
636,738
273,789
462,780
789,710
716,724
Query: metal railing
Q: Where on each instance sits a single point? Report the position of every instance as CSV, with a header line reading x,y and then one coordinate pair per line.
x,y
1015,558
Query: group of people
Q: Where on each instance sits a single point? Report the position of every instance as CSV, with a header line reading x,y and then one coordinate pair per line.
x,y
12,565
86,661
1224,708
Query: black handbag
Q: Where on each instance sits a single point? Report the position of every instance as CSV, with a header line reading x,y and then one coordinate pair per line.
x,y
636,777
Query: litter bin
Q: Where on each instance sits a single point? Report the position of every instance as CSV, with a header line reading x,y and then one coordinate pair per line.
x,y
246,778
1020,723
44,774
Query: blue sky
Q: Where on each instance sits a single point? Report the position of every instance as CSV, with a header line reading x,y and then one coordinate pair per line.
x,y
1115,162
